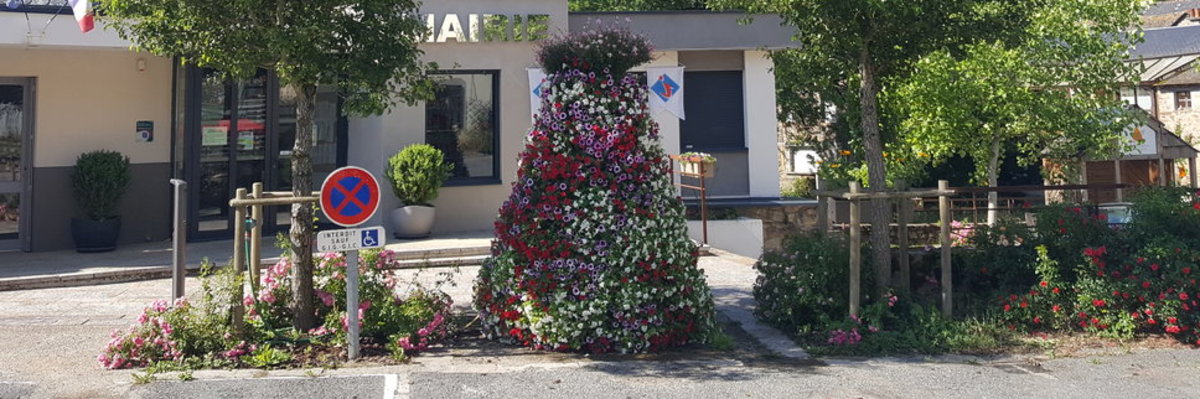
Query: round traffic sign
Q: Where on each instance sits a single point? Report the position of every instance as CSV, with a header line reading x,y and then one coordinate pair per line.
x,y
350,196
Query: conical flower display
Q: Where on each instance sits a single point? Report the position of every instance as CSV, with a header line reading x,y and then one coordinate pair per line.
x,y
591,251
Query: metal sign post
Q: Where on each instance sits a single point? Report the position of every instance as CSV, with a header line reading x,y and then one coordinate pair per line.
x,y
349,197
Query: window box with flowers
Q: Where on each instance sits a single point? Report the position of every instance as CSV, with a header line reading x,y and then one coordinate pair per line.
x,y
697,164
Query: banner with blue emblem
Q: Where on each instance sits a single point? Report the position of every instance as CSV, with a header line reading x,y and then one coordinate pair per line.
x,y
666,89
537,83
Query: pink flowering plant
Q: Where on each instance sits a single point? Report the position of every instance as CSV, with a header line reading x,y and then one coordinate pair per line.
x,y
181,331
406,318
385,314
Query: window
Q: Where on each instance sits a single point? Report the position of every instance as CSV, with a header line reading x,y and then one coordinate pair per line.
x,y
1183,100
462,120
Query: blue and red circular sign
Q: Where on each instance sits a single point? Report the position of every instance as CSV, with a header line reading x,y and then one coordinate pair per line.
x,y
350,196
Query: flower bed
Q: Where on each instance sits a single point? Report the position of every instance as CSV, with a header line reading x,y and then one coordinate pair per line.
x,y
1072,273
404,318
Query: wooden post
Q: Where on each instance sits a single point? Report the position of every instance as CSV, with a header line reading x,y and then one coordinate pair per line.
x,y
822,208
947,284
855,251
1083,179
902,217
239,258
1192,171
831,210
1120,191
256,213
1162,172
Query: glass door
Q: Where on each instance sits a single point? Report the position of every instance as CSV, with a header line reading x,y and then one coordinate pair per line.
x,y
16,138
241,132
230,149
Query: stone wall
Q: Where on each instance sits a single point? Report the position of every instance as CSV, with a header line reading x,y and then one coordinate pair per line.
x,y
781,221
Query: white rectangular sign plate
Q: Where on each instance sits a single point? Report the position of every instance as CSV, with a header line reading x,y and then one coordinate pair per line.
x,y
350,239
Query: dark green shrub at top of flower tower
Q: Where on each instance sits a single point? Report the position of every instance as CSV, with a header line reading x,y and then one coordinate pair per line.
x,y
591,250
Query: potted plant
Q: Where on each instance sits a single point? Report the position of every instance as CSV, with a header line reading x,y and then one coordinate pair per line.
x,y
98,181
697,164
416,173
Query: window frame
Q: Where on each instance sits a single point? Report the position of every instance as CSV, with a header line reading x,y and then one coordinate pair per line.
x,y
1180,97
494,179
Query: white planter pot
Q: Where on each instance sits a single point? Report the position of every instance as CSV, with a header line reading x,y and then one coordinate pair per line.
x,y
412,221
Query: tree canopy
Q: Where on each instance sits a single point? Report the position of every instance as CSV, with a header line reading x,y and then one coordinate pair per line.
x,y
368,49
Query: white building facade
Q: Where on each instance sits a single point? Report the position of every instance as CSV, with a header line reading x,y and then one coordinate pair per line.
x,y
63,93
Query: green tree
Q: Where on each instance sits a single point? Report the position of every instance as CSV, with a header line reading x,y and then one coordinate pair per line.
x,y
1049,92
866,44
366,48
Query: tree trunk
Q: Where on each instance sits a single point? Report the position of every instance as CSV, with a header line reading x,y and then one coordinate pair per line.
x,y
302,214
876,173
993,172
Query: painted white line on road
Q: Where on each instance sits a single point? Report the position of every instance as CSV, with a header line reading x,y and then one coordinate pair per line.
x,y
389,386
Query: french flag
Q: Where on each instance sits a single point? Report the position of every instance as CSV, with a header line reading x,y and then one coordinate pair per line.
x,y
83,14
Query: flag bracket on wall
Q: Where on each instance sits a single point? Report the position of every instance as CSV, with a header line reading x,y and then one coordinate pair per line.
x,y
82,9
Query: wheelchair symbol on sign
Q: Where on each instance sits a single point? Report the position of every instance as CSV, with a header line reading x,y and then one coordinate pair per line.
x,y
370,238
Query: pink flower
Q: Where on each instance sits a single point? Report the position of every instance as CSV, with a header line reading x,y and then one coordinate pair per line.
x,y
325,297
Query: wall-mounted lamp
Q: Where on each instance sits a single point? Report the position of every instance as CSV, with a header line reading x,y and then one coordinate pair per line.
x,y
141,65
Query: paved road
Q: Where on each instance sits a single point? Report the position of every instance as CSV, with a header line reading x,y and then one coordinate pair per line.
x,y
49,340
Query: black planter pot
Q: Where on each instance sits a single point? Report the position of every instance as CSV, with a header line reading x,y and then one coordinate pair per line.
x,y
95,235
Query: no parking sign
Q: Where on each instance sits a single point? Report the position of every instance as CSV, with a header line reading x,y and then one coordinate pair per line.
x,y
350,196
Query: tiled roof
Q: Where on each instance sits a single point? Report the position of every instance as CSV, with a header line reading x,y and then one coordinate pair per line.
x,y
1161,21
1171,7
1169,42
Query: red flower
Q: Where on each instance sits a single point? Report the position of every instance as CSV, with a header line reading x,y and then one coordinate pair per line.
x,y
1154,266
1062,231
1172,320
1056,308
1183,296
1024,304
1151,322
1187,270
1037,320
1145,284
1172,329
1044,284
1055,290
1007,307
1098,302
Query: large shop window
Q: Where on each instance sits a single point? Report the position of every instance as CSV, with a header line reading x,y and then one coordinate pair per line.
x,y
463,121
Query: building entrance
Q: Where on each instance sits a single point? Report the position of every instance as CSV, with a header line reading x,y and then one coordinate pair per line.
x,y
16,162
237,133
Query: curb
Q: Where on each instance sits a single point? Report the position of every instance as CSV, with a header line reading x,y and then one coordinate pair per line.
x,y
771,338
409,259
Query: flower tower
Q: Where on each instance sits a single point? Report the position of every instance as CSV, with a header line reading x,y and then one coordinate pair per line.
x,y
591,250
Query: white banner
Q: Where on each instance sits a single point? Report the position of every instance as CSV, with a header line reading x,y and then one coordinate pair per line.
x,y
666,89
537,83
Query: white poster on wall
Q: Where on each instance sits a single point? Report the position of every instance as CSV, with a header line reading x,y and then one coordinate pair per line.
x,y
666,89
537,83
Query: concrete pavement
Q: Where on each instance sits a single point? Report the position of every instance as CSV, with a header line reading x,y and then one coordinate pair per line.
x,y
49,339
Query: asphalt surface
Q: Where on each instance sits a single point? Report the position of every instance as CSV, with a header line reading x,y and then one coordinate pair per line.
x,y
49,340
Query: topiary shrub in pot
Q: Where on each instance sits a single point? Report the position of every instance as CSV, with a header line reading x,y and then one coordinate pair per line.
x,y
98,182
416,173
